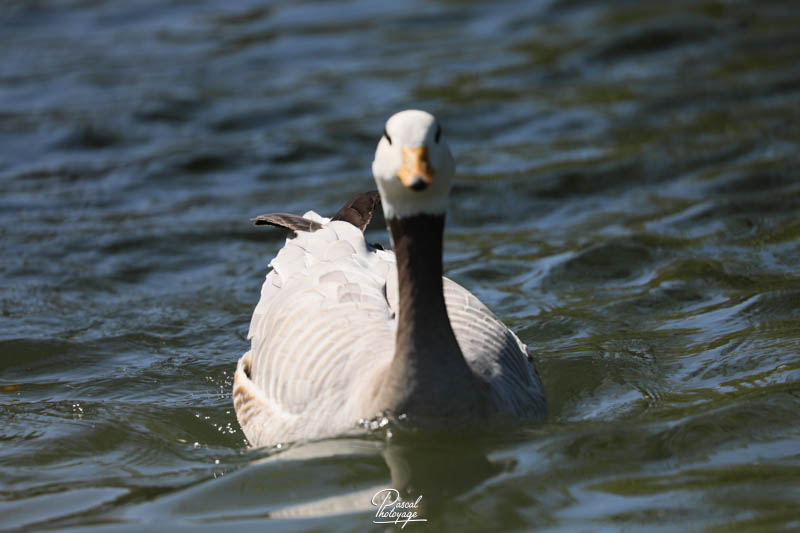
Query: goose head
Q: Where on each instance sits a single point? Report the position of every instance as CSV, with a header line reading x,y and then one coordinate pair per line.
x,y
413,166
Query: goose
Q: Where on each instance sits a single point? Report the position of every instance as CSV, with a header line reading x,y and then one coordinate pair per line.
x,y
345,331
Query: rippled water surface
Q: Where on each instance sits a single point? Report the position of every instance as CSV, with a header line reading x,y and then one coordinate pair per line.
x,y
628,201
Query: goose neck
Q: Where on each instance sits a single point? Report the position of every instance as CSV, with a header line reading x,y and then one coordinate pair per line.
x,y
424,335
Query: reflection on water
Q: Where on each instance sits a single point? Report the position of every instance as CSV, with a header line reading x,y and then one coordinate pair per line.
x,y
434,471
627,201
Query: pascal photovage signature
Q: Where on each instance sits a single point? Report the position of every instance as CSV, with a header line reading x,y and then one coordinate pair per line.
x,y
394,510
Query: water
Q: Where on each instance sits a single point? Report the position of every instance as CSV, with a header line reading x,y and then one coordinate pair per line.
x,y
627,201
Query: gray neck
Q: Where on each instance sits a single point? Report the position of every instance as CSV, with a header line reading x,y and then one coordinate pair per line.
x,y
428,372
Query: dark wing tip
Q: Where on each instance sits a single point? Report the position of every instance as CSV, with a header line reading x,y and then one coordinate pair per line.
x,y
285,220
358,211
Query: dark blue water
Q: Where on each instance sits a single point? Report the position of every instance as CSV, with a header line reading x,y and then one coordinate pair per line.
x,y
628,201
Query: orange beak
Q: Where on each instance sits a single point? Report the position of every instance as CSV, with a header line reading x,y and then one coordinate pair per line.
x,y
416,172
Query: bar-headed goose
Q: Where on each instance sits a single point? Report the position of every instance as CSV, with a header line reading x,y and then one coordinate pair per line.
x,y
345,331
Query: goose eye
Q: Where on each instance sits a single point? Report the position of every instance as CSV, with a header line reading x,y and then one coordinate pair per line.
x,y
438,133
387,136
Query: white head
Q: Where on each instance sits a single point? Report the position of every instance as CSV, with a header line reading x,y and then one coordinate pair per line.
x,y
413,166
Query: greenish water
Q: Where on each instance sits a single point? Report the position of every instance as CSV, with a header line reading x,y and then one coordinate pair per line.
x,y
628,201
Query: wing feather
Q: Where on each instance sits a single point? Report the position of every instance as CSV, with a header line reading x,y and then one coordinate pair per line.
x,y
327,320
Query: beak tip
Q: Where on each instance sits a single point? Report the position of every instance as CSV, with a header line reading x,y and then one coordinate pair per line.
x,y
418,184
